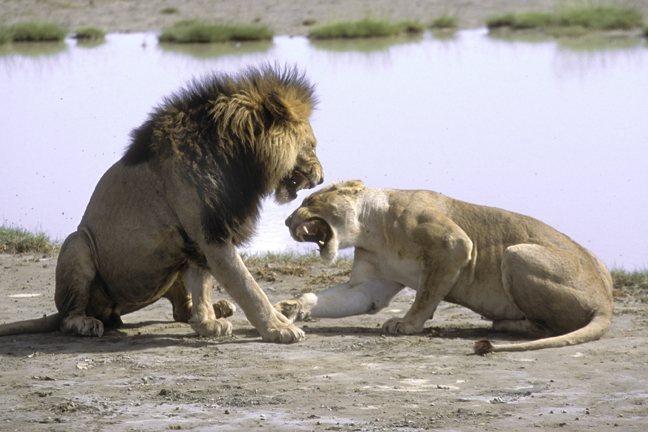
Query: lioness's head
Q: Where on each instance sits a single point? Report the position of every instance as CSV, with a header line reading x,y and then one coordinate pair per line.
x,y
328,218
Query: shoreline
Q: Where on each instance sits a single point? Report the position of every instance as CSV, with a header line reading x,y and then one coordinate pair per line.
x,y
284,17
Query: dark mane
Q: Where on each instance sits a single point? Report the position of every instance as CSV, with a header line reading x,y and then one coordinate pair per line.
x,y
211,129
199,92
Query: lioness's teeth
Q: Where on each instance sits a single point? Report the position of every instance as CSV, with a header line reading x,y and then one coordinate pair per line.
x,y
321,243
301,237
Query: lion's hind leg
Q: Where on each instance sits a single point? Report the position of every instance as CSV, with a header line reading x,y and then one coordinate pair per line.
x,y
75,274
180,299
204,319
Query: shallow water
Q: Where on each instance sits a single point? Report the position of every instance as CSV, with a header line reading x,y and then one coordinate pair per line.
x,y
554,130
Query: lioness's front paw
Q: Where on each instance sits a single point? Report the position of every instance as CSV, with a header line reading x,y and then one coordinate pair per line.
x,y
285,333
217,327
292,309
400,326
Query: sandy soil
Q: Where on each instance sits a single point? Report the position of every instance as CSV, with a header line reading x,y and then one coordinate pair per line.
x,y
346,376
283,16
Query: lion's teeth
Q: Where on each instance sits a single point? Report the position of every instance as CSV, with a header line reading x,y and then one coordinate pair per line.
x,y
321,243
301,237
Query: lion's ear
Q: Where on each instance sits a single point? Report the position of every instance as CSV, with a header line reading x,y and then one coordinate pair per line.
x,y
286,108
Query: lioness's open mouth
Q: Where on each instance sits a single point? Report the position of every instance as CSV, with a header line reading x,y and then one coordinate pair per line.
x,y
296,182
314,230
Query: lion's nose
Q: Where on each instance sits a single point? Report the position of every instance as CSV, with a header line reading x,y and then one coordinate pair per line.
x,y
288,219
321,180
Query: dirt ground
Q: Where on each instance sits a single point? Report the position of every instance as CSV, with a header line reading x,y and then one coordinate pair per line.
x,y
155,374
285,17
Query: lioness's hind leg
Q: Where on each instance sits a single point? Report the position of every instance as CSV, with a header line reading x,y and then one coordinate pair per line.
x,y
554,289
203,319
75,273
180,299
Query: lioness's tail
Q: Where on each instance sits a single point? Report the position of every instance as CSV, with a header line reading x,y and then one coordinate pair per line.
x,y
592,331
47,324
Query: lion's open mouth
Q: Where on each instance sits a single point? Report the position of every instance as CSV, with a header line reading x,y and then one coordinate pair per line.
x,y
315,230
296,182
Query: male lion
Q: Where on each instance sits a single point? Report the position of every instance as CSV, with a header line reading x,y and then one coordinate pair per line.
x,y
522,274
168,215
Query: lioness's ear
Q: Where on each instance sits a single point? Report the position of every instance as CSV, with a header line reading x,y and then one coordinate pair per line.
x,y
353,186
287,108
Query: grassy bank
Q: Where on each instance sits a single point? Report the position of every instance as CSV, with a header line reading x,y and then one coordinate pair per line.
x,y
32,32
369,27
90,34
198,32
19,240
585,18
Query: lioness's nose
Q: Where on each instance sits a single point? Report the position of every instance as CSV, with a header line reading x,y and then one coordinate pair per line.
x,y
321,180
288,219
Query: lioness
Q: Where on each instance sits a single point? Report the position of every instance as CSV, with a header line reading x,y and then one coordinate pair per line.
x,y
167,216
515,270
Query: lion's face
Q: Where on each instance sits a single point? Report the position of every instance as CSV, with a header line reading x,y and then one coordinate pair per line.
x,y
328,218
307,171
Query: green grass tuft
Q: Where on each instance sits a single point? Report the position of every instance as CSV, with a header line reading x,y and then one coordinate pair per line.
x,y
588,17
90,34
19,240
363,28
5,35
600,18
411,26
37,32
293,259
636,279
444,22
197,32
633,285
169,10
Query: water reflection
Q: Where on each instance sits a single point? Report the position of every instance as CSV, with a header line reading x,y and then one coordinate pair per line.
x,y
214,50
556,133
444,34
364,45
32,49
590,43
89,44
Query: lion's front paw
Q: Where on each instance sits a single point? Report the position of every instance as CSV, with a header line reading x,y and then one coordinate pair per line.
x,y
292,309
217,327
400,326
284,333
224,308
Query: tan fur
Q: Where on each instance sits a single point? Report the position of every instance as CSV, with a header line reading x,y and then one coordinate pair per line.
x,y
165,219
512,269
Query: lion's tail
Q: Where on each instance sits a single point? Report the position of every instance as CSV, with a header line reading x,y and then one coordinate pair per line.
x,y
46,324
592,331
